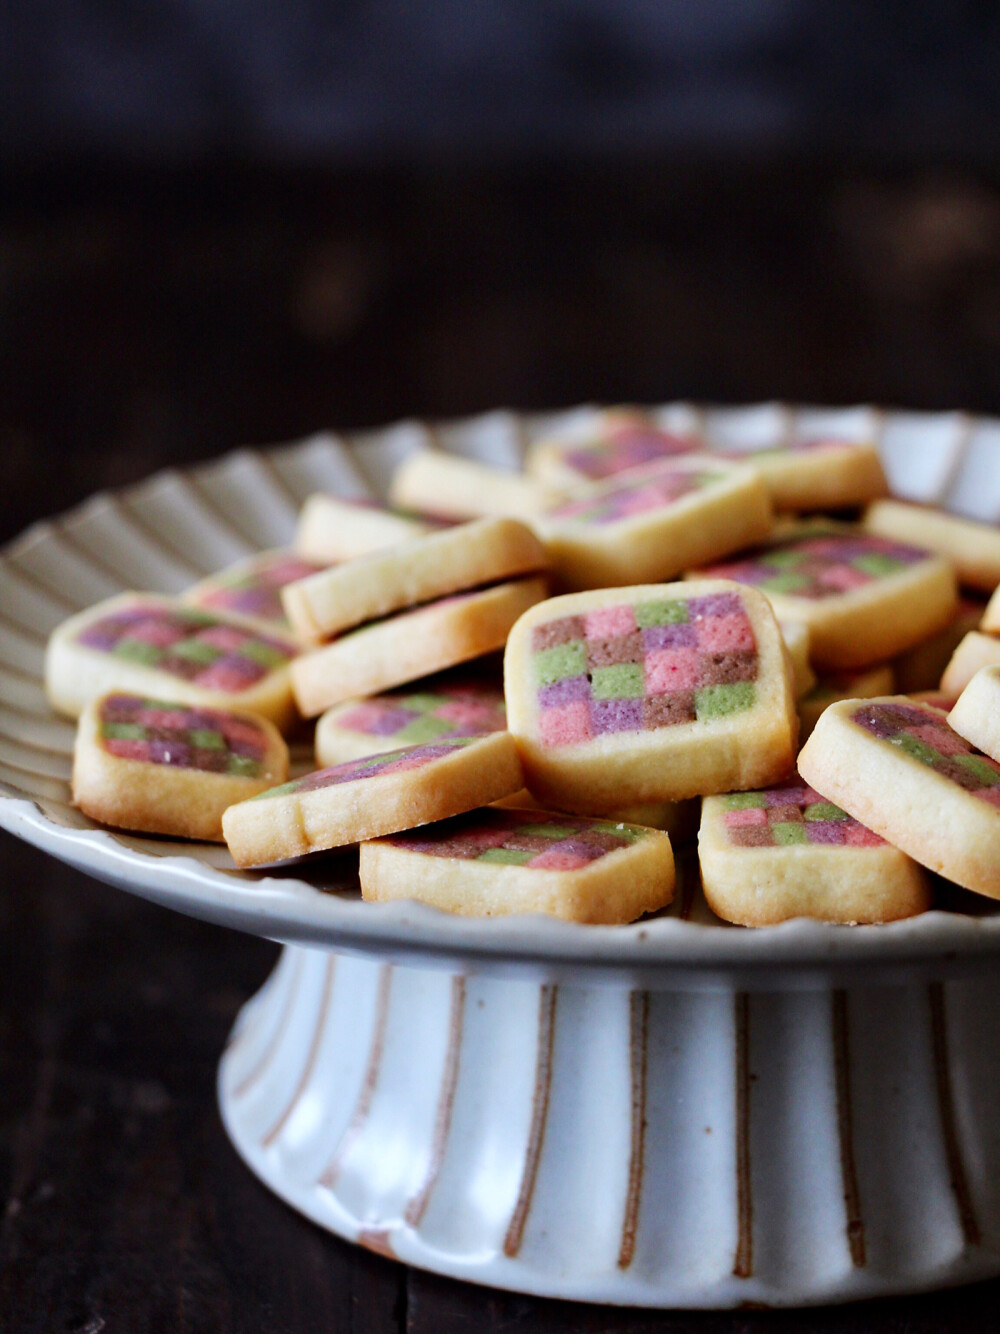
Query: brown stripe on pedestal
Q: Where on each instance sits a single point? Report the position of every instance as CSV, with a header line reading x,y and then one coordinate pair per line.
x,y
638,1061
362,1107
446,1101
266,1057
539,1115
743,1259
845,1129
314,1045
946,1110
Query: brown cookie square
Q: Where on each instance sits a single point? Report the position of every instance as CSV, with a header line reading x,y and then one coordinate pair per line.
x,y
668,710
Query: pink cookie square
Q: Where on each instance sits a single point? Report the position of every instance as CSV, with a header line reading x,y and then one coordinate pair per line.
x,y
557,860
670,669
362,718
726,634
857,836
844,578
990,794
225,637
941,739
607,622
750,815
156,631
565,725
176,718
457,711
128,749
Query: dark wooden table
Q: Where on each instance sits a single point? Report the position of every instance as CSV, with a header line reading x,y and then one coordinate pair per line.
x,y
155,319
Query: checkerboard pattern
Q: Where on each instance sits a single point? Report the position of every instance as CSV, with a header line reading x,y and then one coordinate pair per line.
x,y
820,567
788,815
625,446
155,732
416,717
657,489
254,587
189,644
818,446
521,838
641,667
373,766
923,734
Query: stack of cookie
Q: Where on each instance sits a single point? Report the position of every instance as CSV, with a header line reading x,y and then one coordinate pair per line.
x,y
702,631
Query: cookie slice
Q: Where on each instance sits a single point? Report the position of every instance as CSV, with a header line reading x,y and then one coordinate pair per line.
x,y
411,644
976,715
974,652
863,597
332,529
652,523
817,474
493,862
787,852
410,573
435,711
679,819
834,686
363,799
653,693
460,488
615,443
167,768
898,767
160,647
972,548
250,590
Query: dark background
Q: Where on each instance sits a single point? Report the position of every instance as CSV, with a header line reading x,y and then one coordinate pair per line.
x,y
231,222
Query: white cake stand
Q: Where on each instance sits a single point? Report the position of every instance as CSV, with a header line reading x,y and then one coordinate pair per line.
x,y
675,1113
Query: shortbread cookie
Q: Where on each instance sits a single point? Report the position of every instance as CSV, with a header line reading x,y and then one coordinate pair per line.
x,y
835,686
615,443
654,693
972,548
974,652
921,667
786,852
650,524
158,646
380,794
332,529
431,712
991,616
863,597
460,488
250,591
410,573
901,770
679,819
494,862
166,768
976,715
819,474
411,644
797,641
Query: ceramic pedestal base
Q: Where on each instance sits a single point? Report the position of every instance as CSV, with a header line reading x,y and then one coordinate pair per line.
x,y
664,1148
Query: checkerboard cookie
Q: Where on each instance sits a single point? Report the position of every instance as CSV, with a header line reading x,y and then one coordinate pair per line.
x,y
652,693
921,667
898,767
679,819
653,522
976,714
818,474
834,686
459,488
433,711
972,548
166,768
366,798
160,647
250,590
974,652
863,597
493,862
332,529
428,567
787,852
411,644
616,442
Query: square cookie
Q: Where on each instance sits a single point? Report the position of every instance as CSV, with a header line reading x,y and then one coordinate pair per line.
x,y
972,548
496,862
332,529
460,488
651,693
160,647
618,441
816,474
976,714
167,768
786,852
863,597
250,590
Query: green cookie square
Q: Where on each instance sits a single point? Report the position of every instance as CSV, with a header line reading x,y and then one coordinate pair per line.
x,y
506,856
722,701
623,680
242,766
123,731
660,613
138,651
744,801
786,583
787,834
195,650
920,750
824,810
877,566
560,662
545,831
206,738
986,774
427,728
263,654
